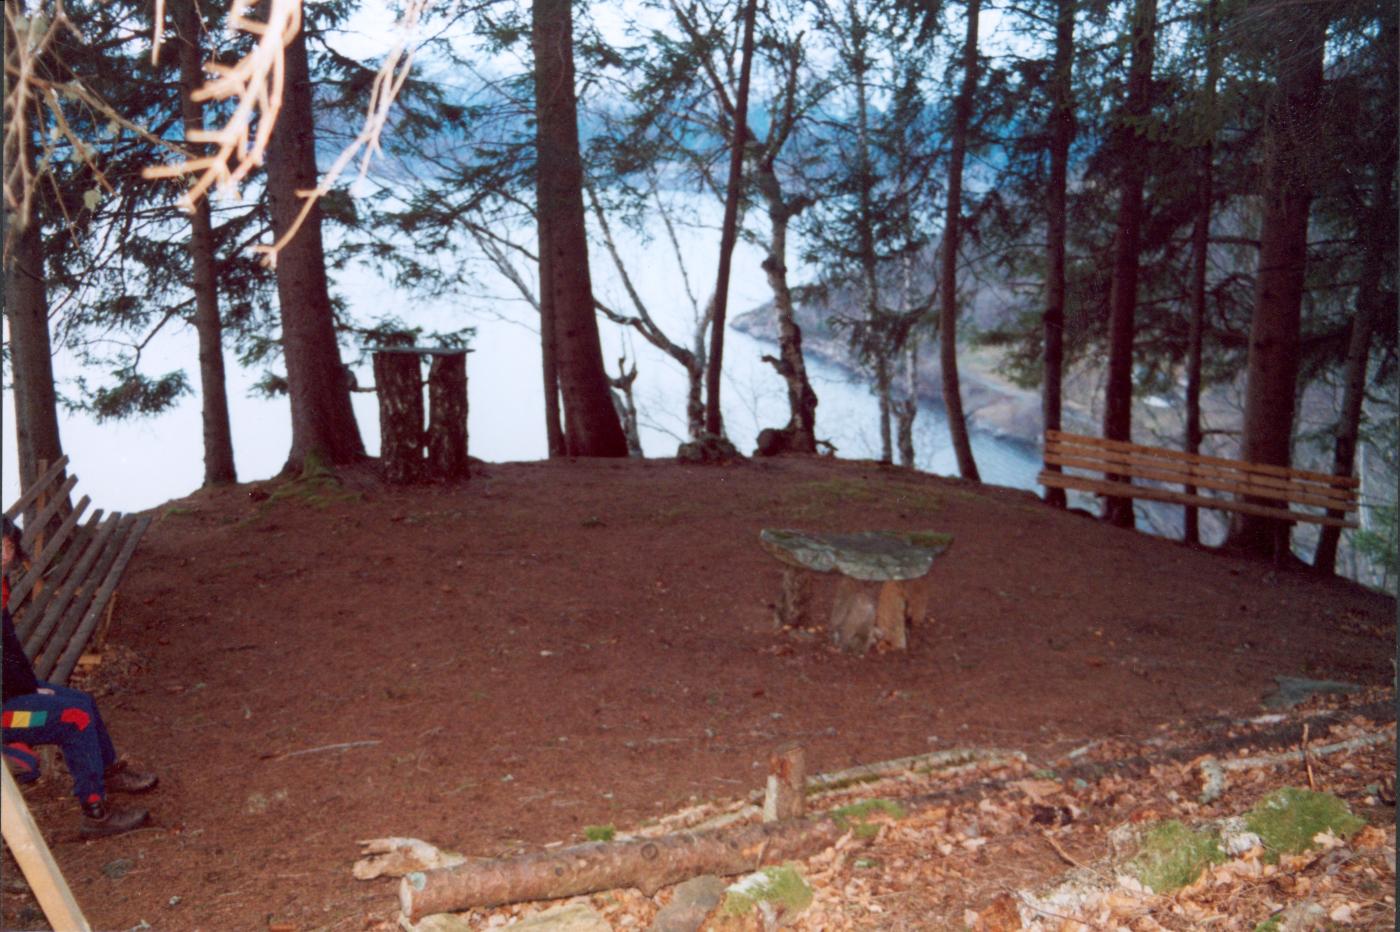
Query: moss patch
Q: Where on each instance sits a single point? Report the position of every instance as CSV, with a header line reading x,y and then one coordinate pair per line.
x,y
855,817
781,889
599,832
1287,819
1173,856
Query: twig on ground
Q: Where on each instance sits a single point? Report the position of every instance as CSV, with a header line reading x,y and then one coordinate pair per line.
x,y
1307,764
343,746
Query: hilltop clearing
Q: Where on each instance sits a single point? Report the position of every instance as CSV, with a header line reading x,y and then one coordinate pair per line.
x,y
498,665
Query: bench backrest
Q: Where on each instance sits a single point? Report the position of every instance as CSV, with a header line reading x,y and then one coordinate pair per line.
x,y
59,598
1279,485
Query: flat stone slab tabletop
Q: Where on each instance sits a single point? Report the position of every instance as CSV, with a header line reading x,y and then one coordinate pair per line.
x,y
874,556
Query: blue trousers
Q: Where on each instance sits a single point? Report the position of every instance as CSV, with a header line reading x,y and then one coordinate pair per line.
x,y
69,719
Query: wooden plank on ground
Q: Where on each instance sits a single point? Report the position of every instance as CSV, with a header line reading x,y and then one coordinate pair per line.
x,y
36,861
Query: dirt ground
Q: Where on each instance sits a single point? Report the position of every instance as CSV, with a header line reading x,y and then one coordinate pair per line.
x,y
496,665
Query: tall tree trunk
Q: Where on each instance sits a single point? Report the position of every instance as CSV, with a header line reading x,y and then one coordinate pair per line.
x,y
1299,32
906,407
1057,225
801,429
1200,252
1122,300
218,438
549,367
877,333
591,426
31,362
27,307
948,273
323,422
1371,307
729,227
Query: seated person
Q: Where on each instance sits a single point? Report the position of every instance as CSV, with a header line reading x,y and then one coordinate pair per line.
x,y
37,713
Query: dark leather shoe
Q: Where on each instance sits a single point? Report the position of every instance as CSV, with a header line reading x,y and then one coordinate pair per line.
x,y
119,778
101,820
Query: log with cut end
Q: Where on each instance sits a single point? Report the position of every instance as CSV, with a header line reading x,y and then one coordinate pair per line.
x,y
645,863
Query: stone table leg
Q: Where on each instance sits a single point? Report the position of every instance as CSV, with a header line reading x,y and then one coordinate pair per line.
x,y
795,605
853,616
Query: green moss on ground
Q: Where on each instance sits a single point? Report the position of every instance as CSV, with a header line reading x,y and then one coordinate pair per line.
x,y
783,888
1287,820
1173,856
854,817
599,832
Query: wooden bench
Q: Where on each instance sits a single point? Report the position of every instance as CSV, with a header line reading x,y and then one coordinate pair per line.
x,y
64,597
1268,491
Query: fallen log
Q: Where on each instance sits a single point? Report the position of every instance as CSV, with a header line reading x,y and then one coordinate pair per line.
x,y
645,863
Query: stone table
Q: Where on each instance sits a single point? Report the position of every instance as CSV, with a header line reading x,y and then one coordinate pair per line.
x,y
882,589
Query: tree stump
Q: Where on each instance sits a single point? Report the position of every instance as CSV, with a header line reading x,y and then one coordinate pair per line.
x,y
398,380
786,795
447,416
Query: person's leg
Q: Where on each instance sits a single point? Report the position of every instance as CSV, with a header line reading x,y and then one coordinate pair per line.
x,y
24,763
77,699
38,718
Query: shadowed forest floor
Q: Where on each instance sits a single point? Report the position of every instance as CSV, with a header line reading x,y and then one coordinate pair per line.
x,y
496,665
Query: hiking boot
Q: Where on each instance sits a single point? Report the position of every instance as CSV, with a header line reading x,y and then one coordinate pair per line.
x,y
101,820
119,778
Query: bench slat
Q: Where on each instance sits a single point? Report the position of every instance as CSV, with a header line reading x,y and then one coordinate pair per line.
x,y
78,642
85,593
27,617
39,621
1285,472
1128,490
39,487
34,528
1187,468
1149,468
39,566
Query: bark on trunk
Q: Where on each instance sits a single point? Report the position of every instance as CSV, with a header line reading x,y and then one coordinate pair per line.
x,y
553,421
1132,160
801,427
398,381
1200,251
885,406
591,426
729,227
947,282
1271,387
219,467
1370,305
323,421
31,354
906,409
1057,226
447,417
786,794
645,863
